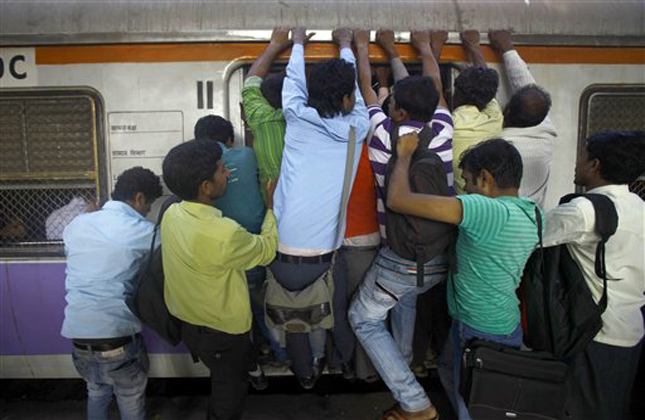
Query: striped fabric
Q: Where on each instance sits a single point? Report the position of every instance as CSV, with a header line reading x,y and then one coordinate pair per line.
x,y
380,148
268,127
496,238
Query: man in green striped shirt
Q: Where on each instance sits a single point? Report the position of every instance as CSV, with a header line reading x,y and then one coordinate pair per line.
x,y
262,100
497,233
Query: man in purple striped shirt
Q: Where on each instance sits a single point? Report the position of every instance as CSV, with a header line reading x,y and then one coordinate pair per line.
x,y
391,282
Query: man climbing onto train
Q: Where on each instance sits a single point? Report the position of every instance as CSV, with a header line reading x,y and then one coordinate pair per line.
x,y
392,282
497,233
205,256
476,114
320,113
262,101
527,124
603,374
104,250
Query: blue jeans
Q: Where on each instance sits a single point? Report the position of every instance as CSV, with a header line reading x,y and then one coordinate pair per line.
x,y
123,371
450,362
392,282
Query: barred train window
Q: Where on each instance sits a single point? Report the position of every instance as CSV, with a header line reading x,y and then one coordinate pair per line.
x,y
51,165
613,107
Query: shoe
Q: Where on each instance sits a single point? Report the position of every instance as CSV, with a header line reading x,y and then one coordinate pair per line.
x,y
319,366
397,413
258,379
420,371
349,372
307,382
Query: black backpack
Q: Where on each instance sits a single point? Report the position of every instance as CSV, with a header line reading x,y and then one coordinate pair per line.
x,y
147,300
562,317
410,237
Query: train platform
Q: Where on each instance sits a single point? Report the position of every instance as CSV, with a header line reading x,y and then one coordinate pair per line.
x,y
333,398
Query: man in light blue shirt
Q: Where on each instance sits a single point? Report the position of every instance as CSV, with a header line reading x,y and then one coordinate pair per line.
x,y
319,115
104,250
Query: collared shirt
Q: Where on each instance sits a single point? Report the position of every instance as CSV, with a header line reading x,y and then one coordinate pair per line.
x,y
242,201
268,127
204,259
104,250
473,126
573,224
380,148
496,238
536,143
60,218
308,195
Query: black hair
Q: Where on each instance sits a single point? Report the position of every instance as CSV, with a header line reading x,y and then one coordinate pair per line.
x,y
271,89
137,180
418,96
328,83
498,157
621,155
476,86
189,164
214,127
386,105
528,107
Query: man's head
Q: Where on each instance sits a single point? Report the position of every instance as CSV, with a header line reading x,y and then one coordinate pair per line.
x,y
476,86
271,89
491,166
414,98
611,157
139,188
214,127
331,86
195,171
528,107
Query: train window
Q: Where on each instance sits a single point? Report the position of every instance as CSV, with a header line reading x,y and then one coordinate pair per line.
x,y
613,107
51,166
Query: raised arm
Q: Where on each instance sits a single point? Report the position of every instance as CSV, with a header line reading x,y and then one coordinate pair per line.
x,y
429,46
385,38
516,69
401,199
279,43
470,41
294,90
362,44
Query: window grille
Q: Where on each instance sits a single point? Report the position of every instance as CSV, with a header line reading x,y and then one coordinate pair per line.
x,y
613,107
50,168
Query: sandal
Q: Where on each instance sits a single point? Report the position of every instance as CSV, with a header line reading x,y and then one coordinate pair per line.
x,y
397,413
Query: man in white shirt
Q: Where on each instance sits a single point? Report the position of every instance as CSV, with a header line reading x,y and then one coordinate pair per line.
x,y
527,125
603,374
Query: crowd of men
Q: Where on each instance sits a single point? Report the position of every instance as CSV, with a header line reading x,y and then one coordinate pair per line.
x,y
310,201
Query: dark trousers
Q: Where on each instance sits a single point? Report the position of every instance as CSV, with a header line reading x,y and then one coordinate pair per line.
x,y
601,382
350,267
432,323
294,277
227,358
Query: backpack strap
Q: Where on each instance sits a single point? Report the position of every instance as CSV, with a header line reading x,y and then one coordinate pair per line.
x,y
347,182
605,226
425,137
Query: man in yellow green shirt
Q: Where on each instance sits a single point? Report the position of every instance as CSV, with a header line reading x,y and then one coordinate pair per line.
x,y
205,256
477,116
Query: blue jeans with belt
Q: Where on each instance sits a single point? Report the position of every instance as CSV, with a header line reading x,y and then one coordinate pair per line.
x,y
122,371
392,282
450,362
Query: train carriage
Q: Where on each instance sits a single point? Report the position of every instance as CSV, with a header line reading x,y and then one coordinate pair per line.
x,y
88,90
